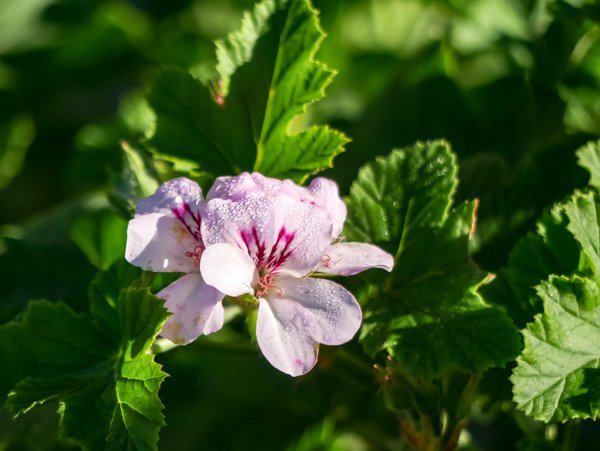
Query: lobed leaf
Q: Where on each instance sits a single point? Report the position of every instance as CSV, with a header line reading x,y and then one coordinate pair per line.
x,y
554,273
269,75
429,316
90,362
297,80
556,377
237,48
410,188
551,250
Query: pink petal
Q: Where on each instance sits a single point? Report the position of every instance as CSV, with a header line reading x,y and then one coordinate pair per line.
x,y
311,228
238,187
288,348
348,259
277,224
171,194
195,306
323,193
229,269
223,220
328,197
309,311
158,242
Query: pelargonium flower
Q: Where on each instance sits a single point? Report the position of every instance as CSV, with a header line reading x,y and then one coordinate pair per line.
x,y
165,236
271,239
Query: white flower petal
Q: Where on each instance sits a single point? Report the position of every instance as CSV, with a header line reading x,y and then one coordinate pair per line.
x,y
309,311
311,228
348,259
229,269
238,187
159,243
324,194
195,306
169,195
224,220
261,221
286,347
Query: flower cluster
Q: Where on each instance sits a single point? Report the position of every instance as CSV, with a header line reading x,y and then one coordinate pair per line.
x,y
264,239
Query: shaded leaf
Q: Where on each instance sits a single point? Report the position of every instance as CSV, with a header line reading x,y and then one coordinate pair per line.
x,y
429,315
137,179
101,236
551,250
107,384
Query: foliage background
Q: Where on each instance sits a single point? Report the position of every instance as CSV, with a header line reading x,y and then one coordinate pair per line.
x,y
512,84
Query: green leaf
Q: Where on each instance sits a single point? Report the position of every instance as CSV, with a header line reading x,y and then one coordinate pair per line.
x,y
136,180
551,250
104,292
269,75
40,260
105,378
408,190
237,49
583,213
101,236
297,79
557,374
429,315
191,126
556,377
588,157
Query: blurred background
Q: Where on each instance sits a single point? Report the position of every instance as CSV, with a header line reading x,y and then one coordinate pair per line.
x,y
512,84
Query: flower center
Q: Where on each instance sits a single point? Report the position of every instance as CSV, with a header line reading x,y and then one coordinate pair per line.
x,y
268,261
195,254
266,283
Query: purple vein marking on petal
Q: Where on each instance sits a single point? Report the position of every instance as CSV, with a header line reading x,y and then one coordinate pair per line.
x,y
247,239
271,257
254,246
279,252
195,217
181,213
278,258
260,248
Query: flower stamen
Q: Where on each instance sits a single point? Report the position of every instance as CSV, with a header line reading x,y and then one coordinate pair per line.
x,y
196,253
266,283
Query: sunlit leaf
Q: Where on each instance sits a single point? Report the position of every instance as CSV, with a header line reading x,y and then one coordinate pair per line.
x,y
557,376
269,76
429,315
589,159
